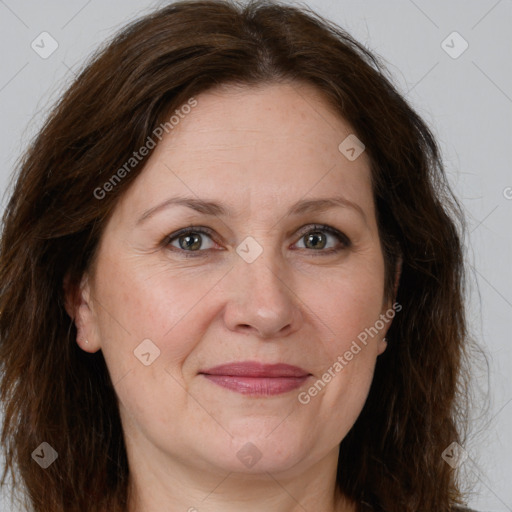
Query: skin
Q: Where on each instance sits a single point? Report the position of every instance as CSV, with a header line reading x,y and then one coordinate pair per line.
x,y
256,151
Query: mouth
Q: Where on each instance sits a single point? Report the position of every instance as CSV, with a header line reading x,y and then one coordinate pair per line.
x,y
258,379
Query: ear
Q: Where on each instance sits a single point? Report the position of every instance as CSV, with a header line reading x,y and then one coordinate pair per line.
x,y
398,272
78,306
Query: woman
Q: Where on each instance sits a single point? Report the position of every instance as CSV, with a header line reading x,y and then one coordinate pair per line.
x,y
232,279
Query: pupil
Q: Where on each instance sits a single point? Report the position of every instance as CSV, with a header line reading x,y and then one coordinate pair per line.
x,y
315,237
190,241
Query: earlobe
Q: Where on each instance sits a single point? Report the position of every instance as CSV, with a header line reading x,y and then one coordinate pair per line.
x,y
383,344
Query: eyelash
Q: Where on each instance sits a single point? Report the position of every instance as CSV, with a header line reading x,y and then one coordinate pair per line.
x,y
345,241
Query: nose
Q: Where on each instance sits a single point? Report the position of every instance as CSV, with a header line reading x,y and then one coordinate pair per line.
x,y
262,300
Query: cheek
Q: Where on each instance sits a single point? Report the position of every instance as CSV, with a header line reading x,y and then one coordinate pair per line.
x,y
348,306
148,302
342,387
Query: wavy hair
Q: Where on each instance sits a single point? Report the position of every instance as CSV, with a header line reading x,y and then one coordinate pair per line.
x,y
53,391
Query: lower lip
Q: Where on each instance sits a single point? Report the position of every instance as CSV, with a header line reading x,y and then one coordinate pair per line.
x,y
260,386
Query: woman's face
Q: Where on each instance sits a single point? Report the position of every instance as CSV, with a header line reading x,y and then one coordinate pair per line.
x,y
261,277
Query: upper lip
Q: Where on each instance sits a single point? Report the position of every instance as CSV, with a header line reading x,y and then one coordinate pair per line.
x,y
256,369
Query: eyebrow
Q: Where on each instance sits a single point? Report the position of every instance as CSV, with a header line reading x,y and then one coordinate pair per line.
x,y
216,209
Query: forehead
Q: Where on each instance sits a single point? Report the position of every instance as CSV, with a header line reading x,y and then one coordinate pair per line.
x,y
265,146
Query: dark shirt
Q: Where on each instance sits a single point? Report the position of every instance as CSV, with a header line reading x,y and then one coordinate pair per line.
x,y
365,507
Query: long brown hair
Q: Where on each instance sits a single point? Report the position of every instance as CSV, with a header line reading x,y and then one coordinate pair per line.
x,y
54,392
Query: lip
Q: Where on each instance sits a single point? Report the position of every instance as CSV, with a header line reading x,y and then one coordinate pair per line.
x,y
254,378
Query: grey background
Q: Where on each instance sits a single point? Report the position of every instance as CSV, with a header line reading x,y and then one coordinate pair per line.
x,y
467,102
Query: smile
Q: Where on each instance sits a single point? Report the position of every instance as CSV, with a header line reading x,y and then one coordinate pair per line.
x,y
257,379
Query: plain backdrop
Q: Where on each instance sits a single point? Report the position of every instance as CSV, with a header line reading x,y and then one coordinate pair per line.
x,y
464,96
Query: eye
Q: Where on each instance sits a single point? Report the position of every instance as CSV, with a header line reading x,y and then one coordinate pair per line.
x,y
317,237
322,239
190,240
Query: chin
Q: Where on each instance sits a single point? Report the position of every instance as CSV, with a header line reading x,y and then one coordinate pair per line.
x,y
257,450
